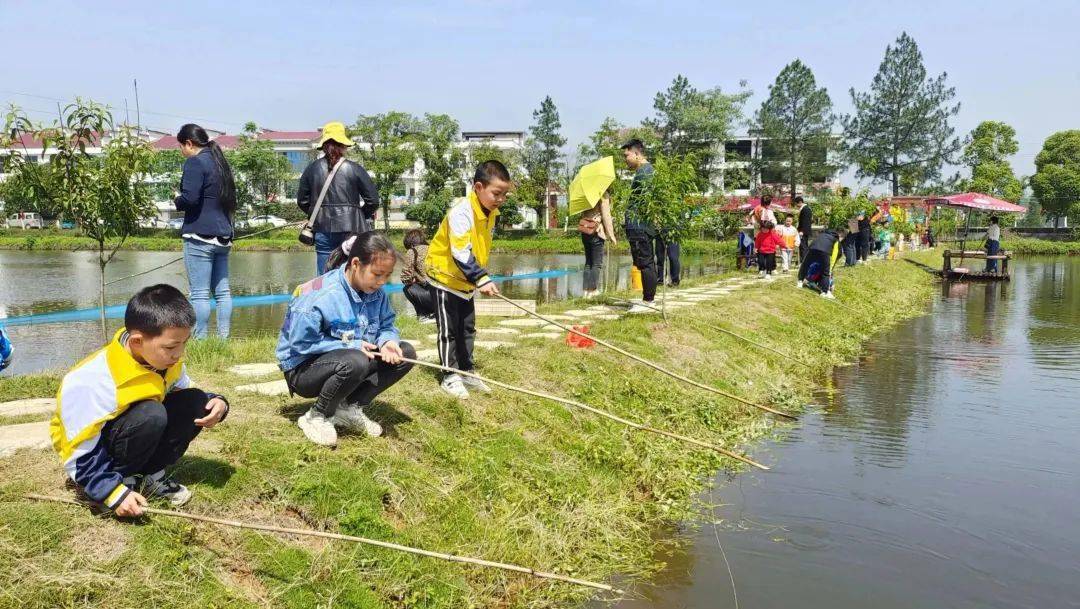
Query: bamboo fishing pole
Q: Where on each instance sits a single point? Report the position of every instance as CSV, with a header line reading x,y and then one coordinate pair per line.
x,y
594,410
362,540
730,333
652,365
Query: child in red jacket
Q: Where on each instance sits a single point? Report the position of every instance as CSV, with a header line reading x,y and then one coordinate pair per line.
x,y
767,241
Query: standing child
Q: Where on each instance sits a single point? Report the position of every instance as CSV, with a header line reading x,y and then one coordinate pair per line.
x,y
455,264
791,238
128,411
414,276
767,241
339,343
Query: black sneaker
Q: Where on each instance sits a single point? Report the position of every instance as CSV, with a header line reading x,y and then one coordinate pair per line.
x,y
160,485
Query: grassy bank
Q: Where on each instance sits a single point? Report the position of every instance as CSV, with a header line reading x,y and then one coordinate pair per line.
x,y
285,241
1041,247
503,477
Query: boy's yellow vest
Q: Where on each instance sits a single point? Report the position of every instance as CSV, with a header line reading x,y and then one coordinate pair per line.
x,y
465,232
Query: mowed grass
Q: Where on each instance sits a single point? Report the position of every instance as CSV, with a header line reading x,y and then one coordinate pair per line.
x,y
503,477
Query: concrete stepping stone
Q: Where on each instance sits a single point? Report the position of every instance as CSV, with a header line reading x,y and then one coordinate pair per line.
x,y
270,388
491,344
30,406
558,317
527,322
603,308
581,312
428,355
255,369
500,331
34,436
607,316
549,335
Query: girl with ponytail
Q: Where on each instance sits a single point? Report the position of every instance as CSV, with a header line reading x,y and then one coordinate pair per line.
x,y
208,199
339,342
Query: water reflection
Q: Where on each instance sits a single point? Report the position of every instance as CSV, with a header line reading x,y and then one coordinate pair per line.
x,y
44,282
938,471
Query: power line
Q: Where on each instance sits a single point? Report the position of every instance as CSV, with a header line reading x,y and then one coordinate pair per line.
x,y
117,109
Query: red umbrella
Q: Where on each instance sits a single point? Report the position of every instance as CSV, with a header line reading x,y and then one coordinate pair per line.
x,y
978,202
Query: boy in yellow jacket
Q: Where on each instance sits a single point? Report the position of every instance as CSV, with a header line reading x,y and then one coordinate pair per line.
x,y
128,411
456,261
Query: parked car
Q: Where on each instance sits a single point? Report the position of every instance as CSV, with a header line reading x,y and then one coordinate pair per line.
x,y
65,224
25,219
260,221
175,224
153,223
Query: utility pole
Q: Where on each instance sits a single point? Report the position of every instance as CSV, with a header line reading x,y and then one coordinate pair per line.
x,y
138,113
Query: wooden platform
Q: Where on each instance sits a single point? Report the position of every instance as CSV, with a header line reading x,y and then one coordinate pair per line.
x,y
957,273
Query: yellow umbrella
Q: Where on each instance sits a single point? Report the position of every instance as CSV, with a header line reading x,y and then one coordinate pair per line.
x,y
590,183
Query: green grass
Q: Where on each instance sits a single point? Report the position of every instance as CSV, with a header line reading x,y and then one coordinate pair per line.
x,y
285,241
1041,247
503,477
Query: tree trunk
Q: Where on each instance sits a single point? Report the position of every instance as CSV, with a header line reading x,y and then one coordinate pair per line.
x,y
386,214
895,177
101,295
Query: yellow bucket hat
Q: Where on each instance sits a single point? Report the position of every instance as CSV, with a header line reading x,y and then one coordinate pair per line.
x,y
334,131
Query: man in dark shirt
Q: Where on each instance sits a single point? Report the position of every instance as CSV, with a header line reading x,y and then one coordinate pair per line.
x,y
806,232
639,231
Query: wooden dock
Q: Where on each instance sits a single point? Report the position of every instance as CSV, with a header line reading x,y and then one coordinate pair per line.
x,y
960,273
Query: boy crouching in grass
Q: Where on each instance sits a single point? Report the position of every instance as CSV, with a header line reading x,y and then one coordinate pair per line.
x,y
128,411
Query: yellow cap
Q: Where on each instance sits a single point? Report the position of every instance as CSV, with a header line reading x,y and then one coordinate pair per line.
x,y
334,131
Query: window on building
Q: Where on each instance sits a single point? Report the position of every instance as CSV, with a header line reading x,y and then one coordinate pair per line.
x,y
740,149
299,159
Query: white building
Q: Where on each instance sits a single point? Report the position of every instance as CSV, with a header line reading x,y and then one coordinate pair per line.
x,y
733,171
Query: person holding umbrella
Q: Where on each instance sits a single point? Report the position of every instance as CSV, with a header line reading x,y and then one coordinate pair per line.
x,y
337,194
589,197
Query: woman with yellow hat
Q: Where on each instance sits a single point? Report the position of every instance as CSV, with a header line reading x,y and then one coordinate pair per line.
x,y
337,195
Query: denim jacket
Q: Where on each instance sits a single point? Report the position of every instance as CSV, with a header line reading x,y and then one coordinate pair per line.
x,y
327,314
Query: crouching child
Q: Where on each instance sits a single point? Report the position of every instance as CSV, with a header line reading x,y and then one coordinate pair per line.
x,y
817,267
128,411
339,344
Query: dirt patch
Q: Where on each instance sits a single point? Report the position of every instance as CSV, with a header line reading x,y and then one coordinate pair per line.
x,y
102,542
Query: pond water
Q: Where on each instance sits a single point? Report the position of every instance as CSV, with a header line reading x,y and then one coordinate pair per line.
x,y
42,283
938,471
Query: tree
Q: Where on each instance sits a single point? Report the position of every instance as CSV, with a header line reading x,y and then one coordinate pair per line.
x,y
1056,182
260,172
443,159
693,122
166,171
796,121
541,158
105,195
388,148
27,187
901,126
986,154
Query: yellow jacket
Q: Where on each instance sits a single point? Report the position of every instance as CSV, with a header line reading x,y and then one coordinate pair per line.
x,y
97,390
458,254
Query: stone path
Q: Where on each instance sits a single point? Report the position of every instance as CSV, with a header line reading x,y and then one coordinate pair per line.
x,y
35,435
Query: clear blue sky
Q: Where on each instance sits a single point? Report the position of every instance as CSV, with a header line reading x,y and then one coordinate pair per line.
x,y
296,65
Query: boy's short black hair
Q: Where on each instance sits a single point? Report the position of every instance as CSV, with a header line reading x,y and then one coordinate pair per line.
x,y
491,170
994,219
634,144
798,199
766,199
154,309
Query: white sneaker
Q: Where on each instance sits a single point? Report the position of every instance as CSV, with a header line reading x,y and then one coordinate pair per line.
x,y
352,418
828,295
475,384
427,321
453,385
798,283
761,274
318,428
639,308
158,485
